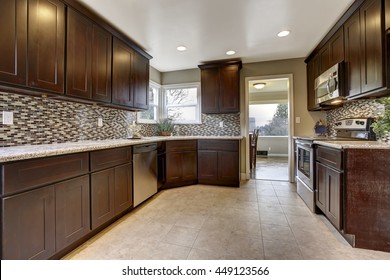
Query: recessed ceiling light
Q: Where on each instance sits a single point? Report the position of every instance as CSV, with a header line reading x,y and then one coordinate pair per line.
x,y
230,52
181,48
259,85
284,33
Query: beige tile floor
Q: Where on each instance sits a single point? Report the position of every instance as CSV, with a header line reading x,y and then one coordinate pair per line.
x,y
259,220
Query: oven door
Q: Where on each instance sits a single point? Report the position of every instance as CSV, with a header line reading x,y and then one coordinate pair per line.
x,y
305,163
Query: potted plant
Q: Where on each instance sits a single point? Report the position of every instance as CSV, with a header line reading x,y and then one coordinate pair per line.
x,y
381,126
165,126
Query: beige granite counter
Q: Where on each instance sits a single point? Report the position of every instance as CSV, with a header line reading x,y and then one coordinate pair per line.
x,y
36,151
354,144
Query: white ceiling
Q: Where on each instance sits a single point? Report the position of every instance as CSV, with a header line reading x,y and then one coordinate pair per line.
x,y
209,28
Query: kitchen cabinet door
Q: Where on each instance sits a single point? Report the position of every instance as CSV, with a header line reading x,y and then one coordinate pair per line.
x,y
313,70
328,193
372,74
122,93
123,188
140,81
229,90
13,43
324,58
228,167
102,197
207,166
189,166
333,206
79,49
321,186
46,45
101,64
174,167
210,90
220,84
72,211
336,47
28,225
353,51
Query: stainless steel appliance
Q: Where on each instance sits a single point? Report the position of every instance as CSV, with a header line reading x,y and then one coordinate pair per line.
x,y
329,85
346,130
145,172
305,171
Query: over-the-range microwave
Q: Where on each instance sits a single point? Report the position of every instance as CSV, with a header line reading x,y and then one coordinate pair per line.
x,y
329,85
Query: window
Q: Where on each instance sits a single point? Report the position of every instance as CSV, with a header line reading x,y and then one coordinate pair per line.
x,y
271,119
182,103
151,115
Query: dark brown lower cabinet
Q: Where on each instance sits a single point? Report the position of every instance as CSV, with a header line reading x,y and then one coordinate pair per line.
x,y
219,162
329,193
111,193
38,223
180,163
72,211
28,225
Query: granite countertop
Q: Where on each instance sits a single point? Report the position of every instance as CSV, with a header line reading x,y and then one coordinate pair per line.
x,y
354,144
14,153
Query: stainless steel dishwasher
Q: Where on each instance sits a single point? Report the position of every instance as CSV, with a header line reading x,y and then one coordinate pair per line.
x,y
145,172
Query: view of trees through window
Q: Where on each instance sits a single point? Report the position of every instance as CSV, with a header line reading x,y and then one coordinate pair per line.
x,y
271,119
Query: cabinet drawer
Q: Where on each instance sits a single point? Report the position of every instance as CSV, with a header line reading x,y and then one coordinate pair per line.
x,y
330,157
20,176
110,157
218,145
180,146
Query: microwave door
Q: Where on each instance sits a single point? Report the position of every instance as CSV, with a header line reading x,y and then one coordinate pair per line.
x,y
322,91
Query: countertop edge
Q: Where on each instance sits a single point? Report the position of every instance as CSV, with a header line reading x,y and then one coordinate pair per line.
x,y
15,153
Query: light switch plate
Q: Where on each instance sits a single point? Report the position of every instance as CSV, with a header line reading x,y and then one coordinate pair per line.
x,y
297,119
8,117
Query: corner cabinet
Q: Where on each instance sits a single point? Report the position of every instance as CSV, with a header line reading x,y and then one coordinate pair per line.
x,y
181,163
220,84
219,162
130,72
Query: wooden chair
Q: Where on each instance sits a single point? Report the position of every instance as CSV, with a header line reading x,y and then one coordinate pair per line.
x,y
253,148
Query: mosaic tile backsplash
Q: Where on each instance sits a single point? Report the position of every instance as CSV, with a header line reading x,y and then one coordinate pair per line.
x,y
365,108
44,121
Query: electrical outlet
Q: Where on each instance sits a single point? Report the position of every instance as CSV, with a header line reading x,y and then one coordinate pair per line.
x,y
221,124
100,122
297,119
269,148
8,117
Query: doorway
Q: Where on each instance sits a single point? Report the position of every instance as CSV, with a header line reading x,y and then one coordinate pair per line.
x,y
269,109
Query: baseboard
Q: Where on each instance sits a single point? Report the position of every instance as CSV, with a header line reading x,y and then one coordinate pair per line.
x,y
244,176
278,155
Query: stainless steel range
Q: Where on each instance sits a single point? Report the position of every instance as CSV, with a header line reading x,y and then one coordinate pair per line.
x,y
346,130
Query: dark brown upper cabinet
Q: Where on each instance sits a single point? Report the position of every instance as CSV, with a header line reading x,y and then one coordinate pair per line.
x,y
220,84
13,44
130,72
140,81
88,59
313,70
46,45
332,52
364,43
352,55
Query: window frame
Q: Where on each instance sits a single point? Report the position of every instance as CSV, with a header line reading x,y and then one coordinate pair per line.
x,y
165,107
158,105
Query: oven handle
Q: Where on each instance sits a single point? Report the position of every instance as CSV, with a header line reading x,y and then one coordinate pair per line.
x,y
304,144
